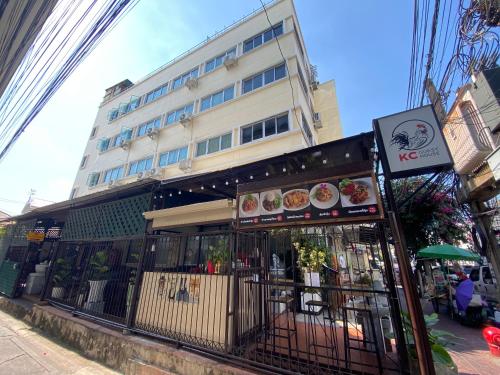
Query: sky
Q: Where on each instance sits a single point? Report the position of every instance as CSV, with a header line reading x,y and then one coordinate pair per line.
x,y
364,46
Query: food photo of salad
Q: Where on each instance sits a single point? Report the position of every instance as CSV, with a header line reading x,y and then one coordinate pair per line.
x,y
356,192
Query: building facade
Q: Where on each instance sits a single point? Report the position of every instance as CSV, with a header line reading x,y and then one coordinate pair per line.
x,y
246,94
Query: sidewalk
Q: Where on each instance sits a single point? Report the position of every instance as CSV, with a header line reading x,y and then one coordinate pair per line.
x,y
24,351
471,353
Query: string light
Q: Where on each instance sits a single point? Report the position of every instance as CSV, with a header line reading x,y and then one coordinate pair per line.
x,y
202,187
161,196
227,183
251,177
303,166
347,155
180,192
190,190
213,186
324,161
267,174
237,181
284,169
170,195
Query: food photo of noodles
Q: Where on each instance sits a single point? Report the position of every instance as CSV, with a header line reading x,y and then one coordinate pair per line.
x,y
296,199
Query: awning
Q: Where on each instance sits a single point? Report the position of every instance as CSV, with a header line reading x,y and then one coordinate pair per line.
x,y
222,210
448,252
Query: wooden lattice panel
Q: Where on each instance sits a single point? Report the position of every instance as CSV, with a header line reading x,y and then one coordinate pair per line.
x,y
108,220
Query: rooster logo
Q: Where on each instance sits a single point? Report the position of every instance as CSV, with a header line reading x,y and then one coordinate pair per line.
x,y
412,135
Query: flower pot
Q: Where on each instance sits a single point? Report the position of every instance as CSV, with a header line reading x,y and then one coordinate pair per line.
x,y
306,297
96,292
58,292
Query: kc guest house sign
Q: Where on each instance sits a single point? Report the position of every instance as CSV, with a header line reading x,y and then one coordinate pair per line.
x,y
412,143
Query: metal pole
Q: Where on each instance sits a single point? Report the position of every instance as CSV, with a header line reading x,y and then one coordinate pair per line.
x,y
422,346
394,302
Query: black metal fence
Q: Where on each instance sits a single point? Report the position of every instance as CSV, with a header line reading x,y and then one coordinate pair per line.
x,y
95,278
247,296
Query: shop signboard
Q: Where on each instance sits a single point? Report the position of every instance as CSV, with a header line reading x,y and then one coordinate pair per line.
x,y
411,143
333,199
35,236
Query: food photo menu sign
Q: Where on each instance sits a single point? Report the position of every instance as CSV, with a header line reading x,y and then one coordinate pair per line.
x,y
334,199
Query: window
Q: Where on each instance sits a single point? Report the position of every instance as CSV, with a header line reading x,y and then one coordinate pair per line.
x,y
156,93
103,144
140,166
471,118
112,114
181,80
173,156
265,128
174,116
214,144
113,174
307,131
217,61
125,135
93,179
217,98
263,37
302,79
144,128
93,132
73,193
134,103
83,163
264,78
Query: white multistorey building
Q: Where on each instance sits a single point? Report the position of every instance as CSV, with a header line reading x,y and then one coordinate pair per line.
x,y
246,94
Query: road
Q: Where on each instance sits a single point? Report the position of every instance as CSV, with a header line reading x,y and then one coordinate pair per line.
x,y
25,351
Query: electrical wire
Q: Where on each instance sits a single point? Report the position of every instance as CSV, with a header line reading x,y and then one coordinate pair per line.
x,y
70,34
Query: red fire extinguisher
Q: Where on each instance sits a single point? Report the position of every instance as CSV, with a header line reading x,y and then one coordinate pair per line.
x,y
492,337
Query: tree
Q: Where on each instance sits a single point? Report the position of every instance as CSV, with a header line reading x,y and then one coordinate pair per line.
x,y
431,215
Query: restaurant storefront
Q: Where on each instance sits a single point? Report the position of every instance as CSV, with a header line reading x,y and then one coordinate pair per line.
x,y
280,265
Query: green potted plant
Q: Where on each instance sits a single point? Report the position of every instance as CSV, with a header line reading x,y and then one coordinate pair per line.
x,y
219,255
438,340
61,278
99,276
310,259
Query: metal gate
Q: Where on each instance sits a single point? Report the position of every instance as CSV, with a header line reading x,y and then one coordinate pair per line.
x,y
347,321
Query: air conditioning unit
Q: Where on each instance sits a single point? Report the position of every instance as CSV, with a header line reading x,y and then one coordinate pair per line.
x,y
153,132
125,144
140,175
151,172
230,61
185,119
185,165
192,83
111,183
317,120
314,85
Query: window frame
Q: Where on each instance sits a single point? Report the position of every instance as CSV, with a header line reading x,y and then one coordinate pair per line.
x,y
211,98
156,125
181,110
207,140
231,51
84,161
261,35
156,93
167,154
262,76
145,160
184,77
262,124
120,171
90,180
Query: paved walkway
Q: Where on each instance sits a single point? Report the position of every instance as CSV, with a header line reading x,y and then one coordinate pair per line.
x,y
471,354
24,351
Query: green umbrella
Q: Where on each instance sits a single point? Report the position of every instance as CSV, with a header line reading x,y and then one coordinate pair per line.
x,y
447,251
